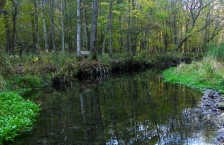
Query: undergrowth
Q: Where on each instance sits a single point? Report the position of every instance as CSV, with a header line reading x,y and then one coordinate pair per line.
x,y
16,115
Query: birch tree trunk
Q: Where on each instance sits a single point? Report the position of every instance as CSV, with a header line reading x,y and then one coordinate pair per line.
x,y
51,11
78,29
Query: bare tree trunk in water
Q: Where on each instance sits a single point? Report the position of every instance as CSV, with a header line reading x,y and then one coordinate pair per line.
x,y
98,114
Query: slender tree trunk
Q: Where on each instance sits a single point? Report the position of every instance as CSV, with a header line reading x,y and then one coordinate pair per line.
x,y
129,29
110,27
78,28
85,28
94,29
33,32
37,44
44,27
51,12
14,17
7,33
62,26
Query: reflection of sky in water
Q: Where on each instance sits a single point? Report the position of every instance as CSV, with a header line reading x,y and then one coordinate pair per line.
x,y
144,135
137,109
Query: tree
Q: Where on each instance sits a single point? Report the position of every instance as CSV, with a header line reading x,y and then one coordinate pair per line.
x,y
93,35
2,4
51,12
78,28
37,37
44,26
62,26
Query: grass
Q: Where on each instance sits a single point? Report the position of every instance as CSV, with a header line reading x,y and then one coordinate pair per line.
x,y
207,73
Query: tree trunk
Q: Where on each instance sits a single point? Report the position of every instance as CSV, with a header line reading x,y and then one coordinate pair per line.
x,y
62,26
129,29
37,44
110,27
51,11
78,28
85,28
7,33
94,29
14,16
44,27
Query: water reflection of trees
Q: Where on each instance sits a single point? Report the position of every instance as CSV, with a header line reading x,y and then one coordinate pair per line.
x,y
137,109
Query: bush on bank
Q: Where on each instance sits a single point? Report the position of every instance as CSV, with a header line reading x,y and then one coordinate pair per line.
x,y
16,115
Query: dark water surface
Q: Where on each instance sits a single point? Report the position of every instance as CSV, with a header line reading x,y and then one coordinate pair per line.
x,y
128,109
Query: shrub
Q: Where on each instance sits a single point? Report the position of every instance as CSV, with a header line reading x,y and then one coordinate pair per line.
x,y
16,115
105,59
2,84
27,81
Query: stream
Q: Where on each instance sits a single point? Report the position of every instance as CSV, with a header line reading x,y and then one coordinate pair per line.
x,y
124,109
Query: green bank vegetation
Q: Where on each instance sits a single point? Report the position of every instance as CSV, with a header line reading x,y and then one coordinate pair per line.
x,y
206,73
16,115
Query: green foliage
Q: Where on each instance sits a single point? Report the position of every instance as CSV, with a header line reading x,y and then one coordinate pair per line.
x,y
207,73
2,84
105,59
26,81
216,51
16,115
6,68
143,56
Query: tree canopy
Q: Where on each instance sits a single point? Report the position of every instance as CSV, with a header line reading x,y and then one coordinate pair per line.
x,y
115,26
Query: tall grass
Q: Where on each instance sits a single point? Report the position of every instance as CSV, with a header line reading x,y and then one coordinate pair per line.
x,y
207,73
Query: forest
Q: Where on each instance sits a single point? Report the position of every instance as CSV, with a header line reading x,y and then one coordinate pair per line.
x,y
46,42
114,26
